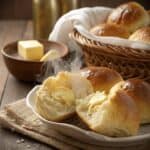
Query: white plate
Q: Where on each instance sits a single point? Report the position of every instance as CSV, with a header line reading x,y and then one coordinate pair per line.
x,y
87,136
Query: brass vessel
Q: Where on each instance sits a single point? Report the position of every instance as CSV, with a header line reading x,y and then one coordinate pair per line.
x,y
68,5
47,12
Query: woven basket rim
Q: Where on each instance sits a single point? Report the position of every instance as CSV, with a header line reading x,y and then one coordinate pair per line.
x,y
82,36
125,58
84,41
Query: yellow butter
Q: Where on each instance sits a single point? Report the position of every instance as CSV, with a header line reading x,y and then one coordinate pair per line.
x,y
30,50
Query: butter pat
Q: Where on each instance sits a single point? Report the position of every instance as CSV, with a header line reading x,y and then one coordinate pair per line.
x,y
30,50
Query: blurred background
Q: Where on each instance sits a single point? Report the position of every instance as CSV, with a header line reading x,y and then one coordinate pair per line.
x,y
38,11
22,9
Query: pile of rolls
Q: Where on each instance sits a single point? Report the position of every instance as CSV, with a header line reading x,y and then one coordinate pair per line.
x,y
129,20
100,97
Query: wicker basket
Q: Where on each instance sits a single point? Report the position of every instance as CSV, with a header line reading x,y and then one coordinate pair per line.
x,y
127,61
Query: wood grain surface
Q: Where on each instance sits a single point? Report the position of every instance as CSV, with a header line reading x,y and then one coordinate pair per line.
x,y
11,89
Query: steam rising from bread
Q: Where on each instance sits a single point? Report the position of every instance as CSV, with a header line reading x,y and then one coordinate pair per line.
x,y
55,99
73,63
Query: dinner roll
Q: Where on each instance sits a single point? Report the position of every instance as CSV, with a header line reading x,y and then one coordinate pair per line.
x,y
56,97
139,90
130,16
55,100
102,78
141,35
115,114
110,30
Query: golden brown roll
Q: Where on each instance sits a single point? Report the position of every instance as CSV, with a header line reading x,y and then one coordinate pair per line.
x,y
139,90
141,35
57,95
102,78
115,114
110,30
130,16
55,99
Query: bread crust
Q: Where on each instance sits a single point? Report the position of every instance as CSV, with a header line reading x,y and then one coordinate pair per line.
x,y
139,90
141,35
129,15
110,30
102,78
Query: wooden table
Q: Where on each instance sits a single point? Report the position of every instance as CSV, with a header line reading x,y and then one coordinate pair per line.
x,y
11,89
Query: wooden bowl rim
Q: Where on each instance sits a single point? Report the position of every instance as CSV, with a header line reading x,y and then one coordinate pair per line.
x,y
5,54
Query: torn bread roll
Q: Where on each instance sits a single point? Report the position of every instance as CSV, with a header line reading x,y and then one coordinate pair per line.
x,y
130,15
102,78
56,97
115,114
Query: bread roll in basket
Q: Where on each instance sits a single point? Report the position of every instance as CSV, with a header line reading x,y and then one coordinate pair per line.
x,y
128,56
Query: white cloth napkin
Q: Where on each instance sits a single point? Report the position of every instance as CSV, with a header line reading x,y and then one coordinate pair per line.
x,y
76,17
83,19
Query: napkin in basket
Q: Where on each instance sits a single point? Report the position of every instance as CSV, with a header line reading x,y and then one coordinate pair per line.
x,y
81,16
84,19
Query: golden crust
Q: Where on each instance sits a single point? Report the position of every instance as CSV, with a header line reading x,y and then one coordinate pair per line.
x,y
139,90
129,15
102,78
141,35
116,116
110,30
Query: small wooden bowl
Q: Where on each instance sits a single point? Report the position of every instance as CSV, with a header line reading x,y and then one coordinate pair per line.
x,y
26,70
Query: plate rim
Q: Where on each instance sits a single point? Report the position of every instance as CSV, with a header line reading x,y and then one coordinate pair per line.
x,y
90,134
